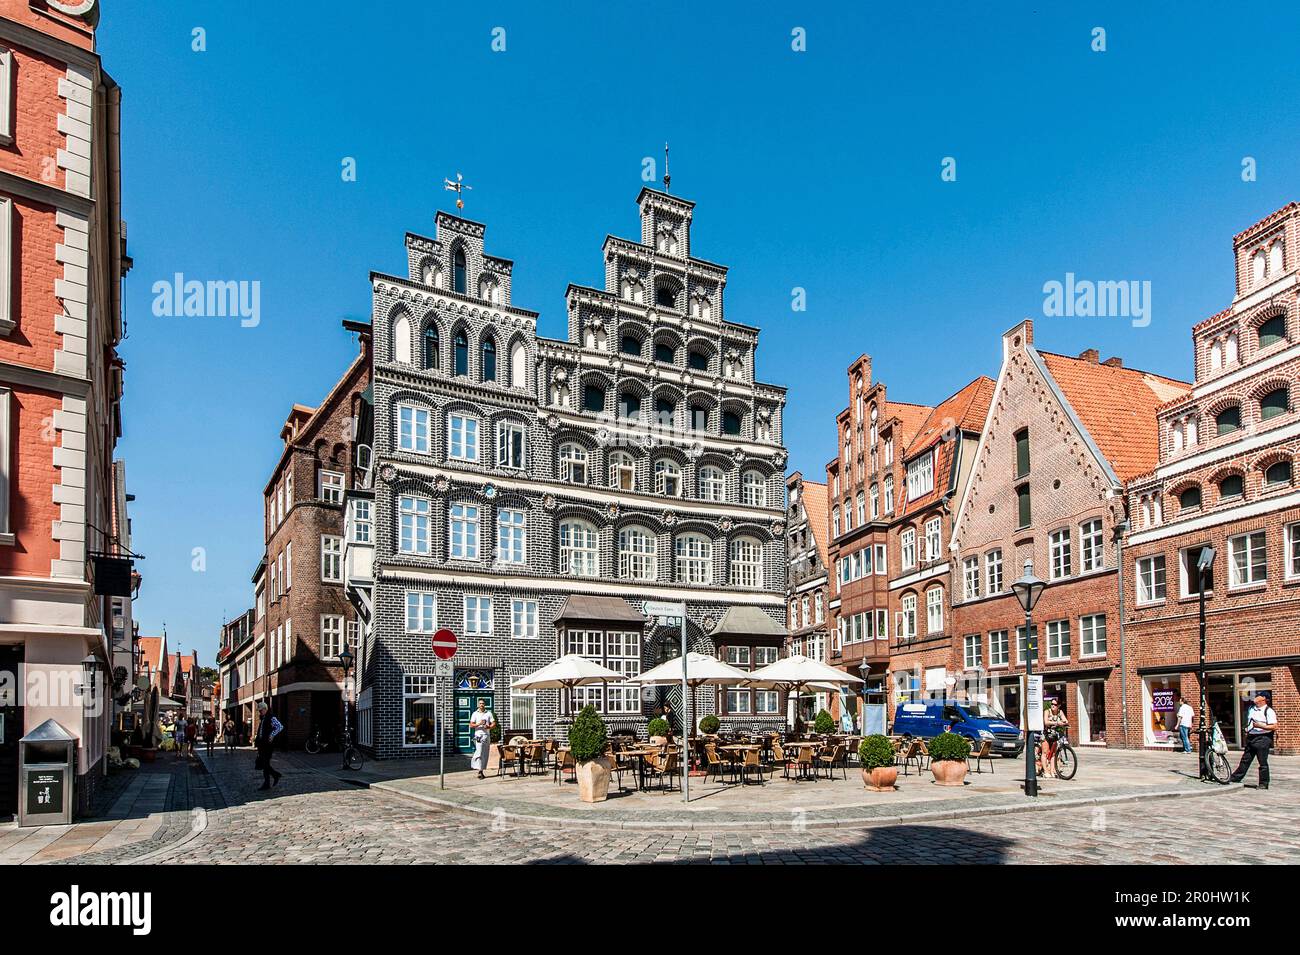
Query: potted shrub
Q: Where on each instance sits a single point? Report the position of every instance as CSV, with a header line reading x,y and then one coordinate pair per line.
x,y
658,729
824,724
948,753
876,754
587,744
709,725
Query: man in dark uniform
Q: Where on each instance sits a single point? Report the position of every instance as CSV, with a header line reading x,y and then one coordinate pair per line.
x,y
1261,724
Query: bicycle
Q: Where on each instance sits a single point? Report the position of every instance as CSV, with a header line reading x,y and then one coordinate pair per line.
x,y
352,757
315,742
1065,761
1217,766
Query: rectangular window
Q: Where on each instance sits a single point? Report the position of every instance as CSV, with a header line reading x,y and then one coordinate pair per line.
x,y
971,577
882,565
907,618
972,651
510,536
331,636
478,616
523,713
1062,562
414,527
882,624
934,610
889,495
1024,507
993,571
1190,575
6,106
462,443
1022,452
1247,560
1058,640
523,619
419,709
1091,552
362,526
463,532
512,445
331,559
421,609
413,429
933,540
907,543
1151,579
920,476
288,567
1291,557
619,651
1092,635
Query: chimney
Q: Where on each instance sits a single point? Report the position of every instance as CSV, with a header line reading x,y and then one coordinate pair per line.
x,y
1090,355
1114,362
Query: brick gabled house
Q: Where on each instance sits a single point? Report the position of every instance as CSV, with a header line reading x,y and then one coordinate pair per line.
x,y
807,560
1062,436
1225,479
307,616
931,473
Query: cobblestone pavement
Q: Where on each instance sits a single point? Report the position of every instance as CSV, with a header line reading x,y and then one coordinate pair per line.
x,y
313,818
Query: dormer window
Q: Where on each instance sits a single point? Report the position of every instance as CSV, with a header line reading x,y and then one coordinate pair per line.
x,y
460,280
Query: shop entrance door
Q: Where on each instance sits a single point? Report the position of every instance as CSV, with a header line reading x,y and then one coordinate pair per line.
x,y
466,704
11,728
1092,711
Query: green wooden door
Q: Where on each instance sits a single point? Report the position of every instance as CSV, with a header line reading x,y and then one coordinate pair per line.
x,y
466,704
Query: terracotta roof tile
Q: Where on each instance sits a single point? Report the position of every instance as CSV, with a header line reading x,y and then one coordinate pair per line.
x,y
150,651
966,410
815,503
1117,407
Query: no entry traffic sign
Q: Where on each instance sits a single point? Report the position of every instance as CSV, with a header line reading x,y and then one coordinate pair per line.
x,y
444,644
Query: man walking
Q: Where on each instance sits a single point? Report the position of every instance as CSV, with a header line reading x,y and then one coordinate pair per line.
x,y
1261,724
1185,718
229,734
268,728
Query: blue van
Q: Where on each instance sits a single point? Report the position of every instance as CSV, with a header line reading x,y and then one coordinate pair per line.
x,y
976,721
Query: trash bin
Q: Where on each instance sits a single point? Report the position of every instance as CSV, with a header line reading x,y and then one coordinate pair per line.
x,y
47,767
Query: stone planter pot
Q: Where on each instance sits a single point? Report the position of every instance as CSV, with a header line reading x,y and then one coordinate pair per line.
x,y
949,772
881,779
593,780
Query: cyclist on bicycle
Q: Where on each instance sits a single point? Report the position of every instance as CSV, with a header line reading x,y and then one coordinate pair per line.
x,y
1054,726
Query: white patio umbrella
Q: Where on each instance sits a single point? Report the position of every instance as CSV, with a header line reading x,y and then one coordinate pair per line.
x,y
701,670
797,672
565,673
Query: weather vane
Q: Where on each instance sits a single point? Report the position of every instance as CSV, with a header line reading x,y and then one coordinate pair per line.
x,y
457,187
668,179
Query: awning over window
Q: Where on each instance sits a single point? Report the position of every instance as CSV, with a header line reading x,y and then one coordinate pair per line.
x,y
748,622
598,609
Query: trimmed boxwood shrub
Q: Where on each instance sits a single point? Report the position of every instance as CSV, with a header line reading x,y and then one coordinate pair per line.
x,y
587,736
710,724
658,726
876,752
824,723
948,747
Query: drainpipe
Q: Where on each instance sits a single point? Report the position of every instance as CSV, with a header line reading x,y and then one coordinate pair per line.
x,y
1121,530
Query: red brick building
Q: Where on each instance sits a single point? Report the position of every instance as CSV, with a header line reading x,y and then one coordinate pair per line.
x,y
1062,437
308,617
62,258
1225,479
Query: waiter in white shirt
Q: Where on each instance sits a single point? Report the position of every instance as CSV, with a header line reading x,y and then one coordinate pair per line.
x,y
480,728
1261,724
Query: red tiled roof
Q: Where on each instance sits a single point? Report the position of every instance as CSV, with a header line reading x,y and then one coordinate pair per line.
x,y
150,651
910,419
814,502
964,411
1117,407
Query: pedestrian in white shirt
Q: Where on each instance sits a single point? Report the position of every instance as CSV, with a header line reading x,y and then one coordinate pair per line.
x,y
1185,717
1261,724
480,727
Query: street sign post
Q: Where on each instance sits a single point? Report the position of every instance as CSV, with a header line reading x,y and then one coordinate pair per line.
x,y
444,648
668,612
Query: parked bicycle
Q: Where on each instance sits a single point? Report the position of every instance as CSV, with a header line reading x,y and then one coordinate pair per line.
x,y
1217,766
1064,760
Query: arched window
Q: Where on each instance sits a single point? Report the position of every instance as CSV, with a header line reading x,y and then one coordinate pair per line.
x,y
431,347
1190,498
579,551
402,340
1216,356
694,553
1278,474
753,489
665,353
622,471
1272,331
489,358
593,398
460,347
630,345
629,405
1276,402
633,291
664,296
664,410
431,275
746,562
712,485
573,463
699,418
518,365
1176,436
1258,266
636,554
697,360
460,281
1275,258
668,478
730,423
489,290
1231,486
1228,420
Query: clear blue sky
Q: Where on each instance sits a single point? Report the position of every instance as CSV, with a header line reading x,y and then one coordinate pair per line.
x,y
818,169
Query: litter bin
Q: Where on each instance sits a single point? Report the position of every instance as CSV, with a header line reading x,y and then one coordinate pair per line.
x,y
47,766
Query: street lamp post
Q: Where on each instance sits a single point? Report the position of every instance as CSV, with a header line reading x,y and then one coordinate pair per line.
x,y
1027,590
1203,565
346,658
